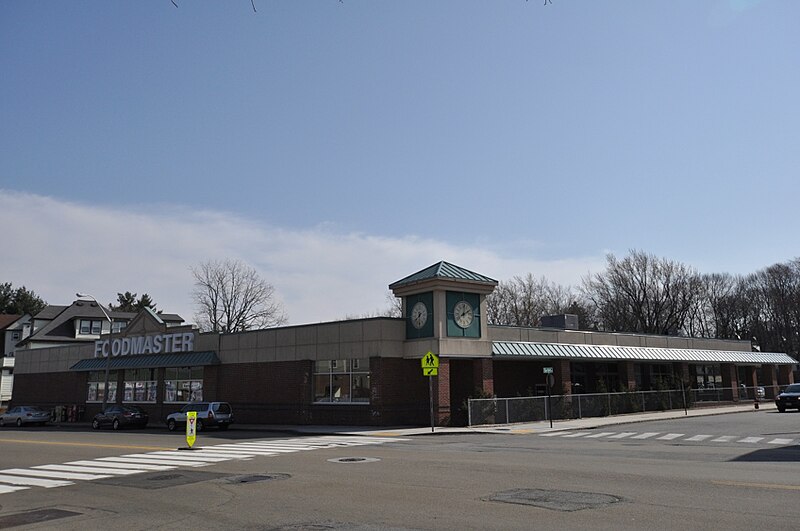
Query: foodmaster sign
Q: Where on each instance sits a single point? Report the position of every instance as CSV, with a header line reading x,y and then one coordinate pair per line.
x,y
152,344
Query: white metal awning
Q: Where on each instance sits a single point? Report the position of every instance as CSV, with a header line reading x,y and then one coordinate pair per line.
x,y
515,349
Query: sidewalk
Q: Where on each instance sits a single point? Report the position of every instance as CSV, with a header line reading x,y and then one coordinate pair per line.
x,y
521,428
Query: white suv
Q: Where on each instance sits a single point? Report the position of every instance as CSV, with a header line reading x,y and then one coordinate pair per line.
x,y
217,414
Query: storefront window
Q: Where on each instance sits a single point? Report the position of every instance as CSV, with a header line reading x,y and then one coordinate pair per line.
x,y
342,381
183,384
140,385
96,386
708,376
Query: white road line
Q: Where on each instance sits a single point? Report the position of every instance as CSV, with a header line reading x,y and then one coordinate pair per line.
x,y
698,438
623,435
553,434
646,435
601,434
121,465
670,436
724,438
274,449
88,469
225,456
293,447
183,456
781,441
750,440
164,460
53,475
6,488
33,482
577,434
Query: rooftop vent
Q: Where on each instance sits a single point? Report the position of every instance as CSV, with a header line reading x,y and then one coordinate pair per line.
x,y
567,321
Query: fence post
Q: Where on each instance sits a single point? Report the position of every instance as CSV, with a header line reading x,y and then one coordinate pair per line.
x,y
580,414
469,412
644,404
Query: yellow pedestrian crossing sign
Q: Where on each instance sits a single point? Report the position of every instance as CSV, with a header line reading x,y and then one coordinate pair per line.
x,y
430,364
430,361
191,427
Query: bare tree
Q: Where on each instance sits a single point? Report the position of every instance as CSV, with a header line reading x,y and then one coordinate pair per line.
x,y
643,293
232,297
522,301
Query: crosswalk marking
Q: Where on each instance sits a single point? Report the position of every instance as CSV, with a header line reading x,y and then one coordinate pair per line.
x,y
750,440
622,435
724,438
156,460
588,434
53,475
698,438
88,469
60,475
577,434
6,488
121,465
33,482
601,434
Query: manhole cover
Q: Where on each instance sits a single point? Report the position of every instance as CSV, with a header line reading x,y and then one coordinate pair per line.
x,y
34,517
254,478
354,460
558,500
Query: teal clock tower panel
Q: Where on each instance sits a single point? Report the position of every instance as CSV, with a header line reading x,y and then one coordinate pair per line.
x,y
419,315
463,314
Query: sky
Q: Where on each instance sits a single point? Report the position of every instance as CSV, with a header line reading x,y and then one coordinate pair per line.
x,y
337,147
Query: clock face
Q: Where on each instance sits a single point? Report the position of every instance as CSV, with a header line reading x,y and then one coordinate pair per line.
x,y
463,314
419,315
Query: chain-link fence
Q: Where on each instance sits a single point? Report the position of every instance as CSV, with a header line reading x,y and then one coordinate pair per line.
x,y
559,407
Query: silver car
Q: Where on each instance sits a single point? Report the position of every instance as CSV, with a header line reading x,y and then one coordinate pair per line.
x,y
20,415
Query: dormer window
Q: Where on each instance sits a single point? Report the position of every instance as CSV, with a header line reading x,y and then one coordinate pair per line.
x,y
118,326
91,327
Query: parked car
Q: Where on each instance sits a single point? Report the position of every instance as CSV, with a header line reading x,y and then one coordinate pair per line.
x,y
789,398
121,416
20,415
218,414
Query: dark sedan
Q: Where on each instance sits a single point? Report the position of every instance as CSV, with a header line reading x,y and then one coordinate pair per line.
x,y
789,398
120,417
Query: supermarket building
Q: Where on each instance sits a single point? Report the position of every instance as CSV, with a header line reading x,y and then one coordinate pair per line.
x,y
367,371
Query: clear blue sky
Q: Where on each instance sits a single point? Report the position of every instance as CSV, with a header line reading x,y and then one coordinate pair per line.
x,y
529,132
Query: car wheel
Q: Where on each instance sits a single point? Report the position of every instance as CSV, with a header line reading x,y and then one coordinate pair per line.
x,y
200,425
2,423
781,409
95,424
115,425
19,423
171,424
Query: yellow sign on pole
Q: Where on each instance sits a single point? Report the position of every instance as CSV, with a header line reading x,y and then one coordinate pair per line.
x,y
430,361
191,427
430,371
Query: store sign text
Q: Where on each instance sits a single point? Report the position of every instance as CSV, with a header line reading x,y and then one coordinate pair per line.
x,y
156,344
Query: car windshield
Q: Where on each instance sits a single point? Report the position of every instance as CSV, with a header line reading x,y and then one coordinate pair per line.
x,y
794,388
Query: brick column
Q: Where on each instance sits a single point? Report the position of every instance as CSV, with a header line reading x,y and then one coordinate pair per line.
x,y
483,375
441,394
770,379
562,376
785,375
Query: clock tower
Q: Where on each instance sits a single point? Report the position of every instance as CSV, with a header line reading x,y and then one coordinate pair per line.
x,y
444,305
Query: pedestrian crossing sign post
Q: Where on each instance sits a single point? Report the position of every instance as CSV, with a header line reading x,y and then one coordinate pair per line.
x,y
430,364
430,368
191,427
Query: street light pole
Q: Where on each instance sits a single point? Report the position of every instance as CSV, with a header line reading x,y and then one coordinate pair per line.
x,y
108,356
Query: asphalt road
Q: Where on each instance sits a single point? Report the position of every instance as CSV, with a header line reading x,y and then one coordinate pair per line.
x,y
738,471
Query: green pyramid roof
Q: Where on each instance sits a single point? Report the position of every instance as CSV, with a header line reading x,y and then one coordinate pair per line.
x,y
443,270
